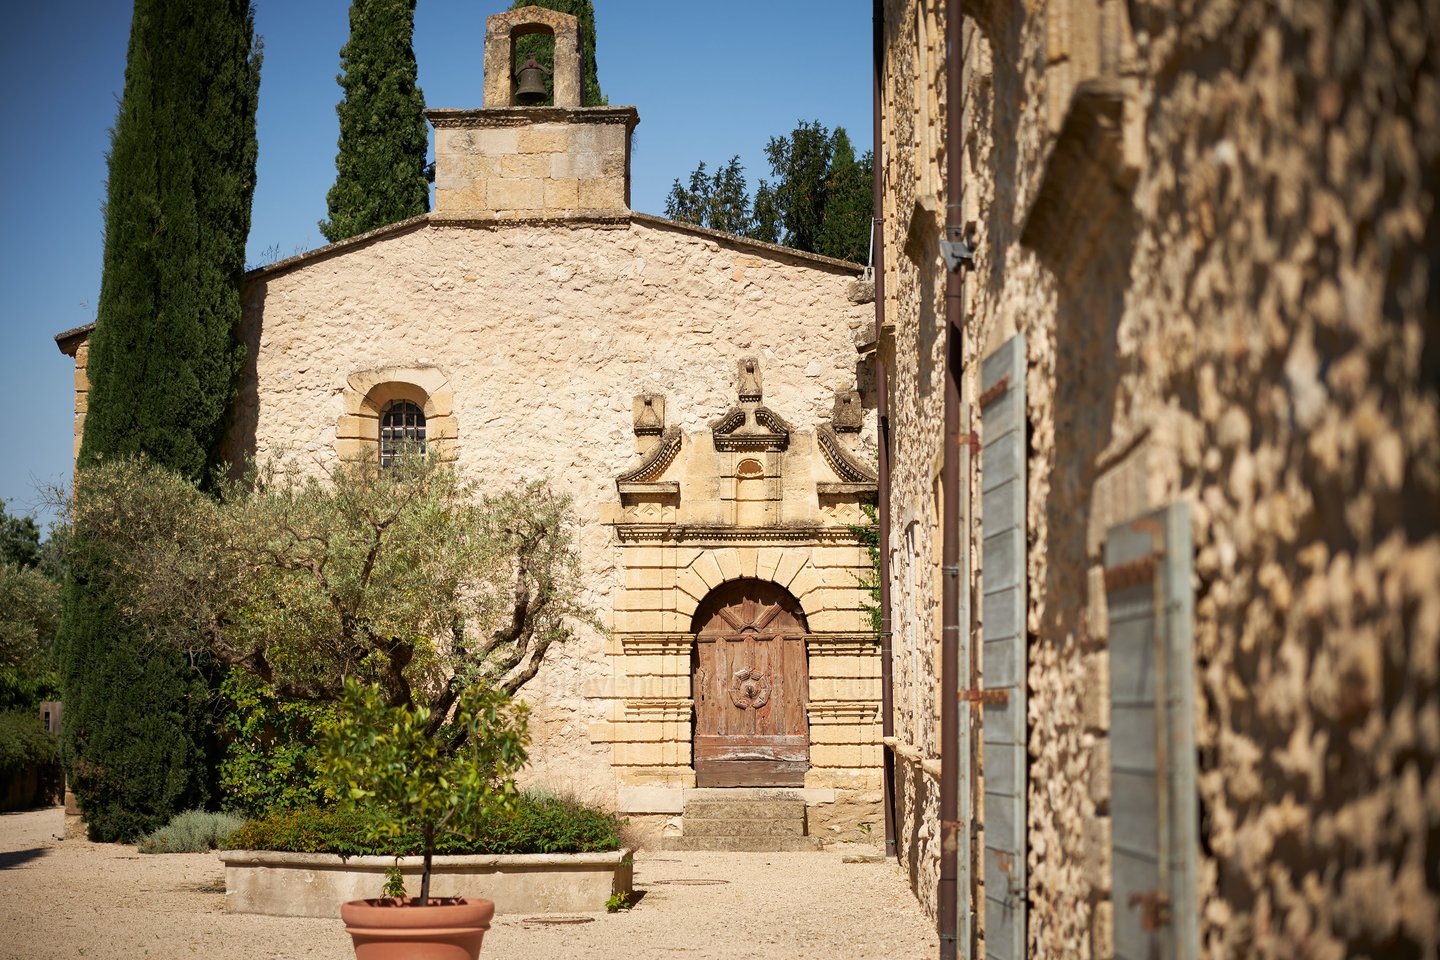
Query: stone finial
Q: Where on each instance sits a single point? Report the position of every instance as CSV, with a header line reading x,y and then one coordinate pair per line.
x,y
501,31
848,415
750,388
649,415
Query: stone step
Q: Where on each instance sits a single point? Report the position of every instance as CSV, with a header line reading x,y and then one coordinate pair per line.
x,y
707,827
743,793
746,809
742,844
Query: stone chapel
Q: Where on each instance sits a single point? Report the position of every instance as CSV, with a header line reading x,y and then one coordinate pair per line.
x,y
699,395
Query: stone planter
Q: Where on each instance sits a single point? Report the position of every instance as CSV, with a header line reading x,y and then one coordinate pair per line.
x,y
315,884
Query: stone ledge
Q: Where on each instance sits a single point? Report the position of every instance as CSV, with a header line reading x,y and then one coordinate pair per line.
x,y
449,117
280,884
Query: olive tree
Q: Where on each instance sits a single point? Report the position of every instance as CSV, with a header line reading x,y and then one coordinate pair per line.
x,y
403,577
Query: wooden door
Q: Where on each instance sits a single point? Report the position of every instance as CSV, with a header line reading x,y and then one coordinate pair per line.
x,y
751,688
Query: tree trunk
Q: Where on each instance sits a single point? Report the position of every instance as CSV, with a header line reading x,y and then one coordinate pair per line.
x,y
429,831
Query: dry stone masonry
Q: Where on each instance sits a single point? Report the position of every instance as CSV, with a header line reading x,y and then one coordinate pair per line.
x,y
1214,225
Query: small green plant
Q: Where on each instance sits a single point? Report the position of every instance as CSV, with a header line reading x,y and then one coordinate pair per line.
x,y
394,884
414,774
869,535
270,752
619,900
194,831
864,829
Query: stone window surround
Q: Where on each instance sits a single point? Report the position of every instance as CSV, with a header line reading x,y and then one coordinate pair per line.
x,y
405,423
368,392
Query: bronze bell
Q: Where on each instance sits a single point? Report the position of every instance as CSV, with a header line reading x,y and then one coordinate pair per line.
x,y
531,89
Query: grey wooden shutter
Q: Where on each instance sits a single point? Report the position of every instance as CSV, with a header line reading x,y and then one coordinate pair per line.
x,y
1002,633
1153,806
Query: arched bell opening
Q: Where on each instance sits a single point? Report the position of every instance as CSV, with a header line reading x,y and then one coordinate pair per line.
x,y
532,65
750,682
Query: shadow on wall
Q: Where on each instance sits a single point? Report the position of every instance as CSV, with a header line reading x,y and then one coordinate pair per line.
x,y
1091,301
239,444
918,800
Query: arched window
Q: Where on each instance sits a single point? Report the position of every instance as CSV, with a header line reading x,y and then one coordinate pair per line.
x,y
402,429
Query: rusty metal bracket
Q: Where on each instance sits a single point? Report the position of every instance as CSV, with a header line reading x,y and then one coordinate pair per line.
x,y
971,440
1005,861
995,392
1154,909
1132,574
995,697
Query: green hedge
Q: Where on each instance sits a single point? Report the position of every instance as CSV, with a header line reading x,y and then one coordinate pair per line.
x,y
540,823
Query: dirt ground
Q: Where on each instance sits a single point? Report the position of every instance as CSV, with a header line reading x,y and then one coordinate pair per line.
x,y
64,898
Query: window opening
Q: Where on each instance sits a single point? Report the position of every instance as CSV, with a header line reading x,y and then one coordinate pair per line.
x,y
402,430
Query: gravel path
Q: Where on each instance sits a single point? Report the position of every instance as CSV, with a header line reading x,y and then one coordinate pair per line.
x,y
68,898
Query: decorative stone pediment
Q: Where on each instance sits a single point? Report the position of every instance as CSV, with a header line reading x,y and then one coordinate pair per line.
x,y
644,497
750,426
848,467
653,464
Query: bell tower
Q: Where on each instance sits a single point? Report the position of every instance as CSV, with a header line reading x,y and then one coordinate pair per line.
x,y
513,161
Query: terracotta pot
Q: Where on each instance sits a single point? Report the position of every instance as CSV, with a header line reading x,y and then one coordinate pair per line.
x,y
449,928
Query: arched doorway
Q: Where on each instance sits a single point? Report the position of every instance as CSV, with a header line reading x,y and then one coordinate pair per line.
x,y
751,688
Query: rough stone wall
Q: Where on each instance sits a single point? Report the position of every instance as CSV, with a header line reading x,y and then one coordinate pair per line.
x,y
1280,341
542,337
1215,224
912,135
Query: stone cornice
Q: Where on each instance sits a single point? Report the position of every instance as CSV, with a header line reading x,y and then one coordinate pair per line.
x,y
755,246
699,534
858,491
603,219
843,711
655,644
822,642
69,340
528,116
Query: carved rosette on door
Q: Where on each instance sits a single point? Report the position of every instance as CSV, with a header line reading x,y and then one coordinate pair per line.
x,y
751,688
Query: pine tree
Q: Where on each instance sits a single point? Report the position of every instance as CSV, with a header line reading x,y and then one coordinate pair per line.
x,y
800,163
819,201
380,166
542,47
163,363
719,202
849,203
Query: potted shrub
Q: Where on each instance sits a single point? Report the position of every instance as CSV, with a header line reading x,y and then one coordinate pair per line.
x,y
411,775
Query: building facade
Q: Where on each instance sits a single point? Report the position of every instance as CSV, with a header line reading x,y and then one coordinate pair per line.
x,y
697,395
1196,452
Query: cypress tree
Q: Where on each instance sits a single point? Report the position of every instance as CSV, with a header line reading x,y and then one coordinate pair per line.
x,y
380,167
163,363
542,47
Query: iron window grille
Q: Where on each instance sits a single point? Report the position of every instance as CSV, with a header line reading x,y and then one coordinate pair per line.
x,y
402,430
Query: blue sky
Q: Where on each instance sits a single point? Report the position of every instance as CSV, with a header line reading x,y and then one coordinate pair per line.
x,y
709,79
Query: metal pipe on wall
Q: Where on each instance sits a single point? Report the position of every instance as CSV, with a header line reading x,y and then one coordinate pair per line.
x,y
882,412
951,569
